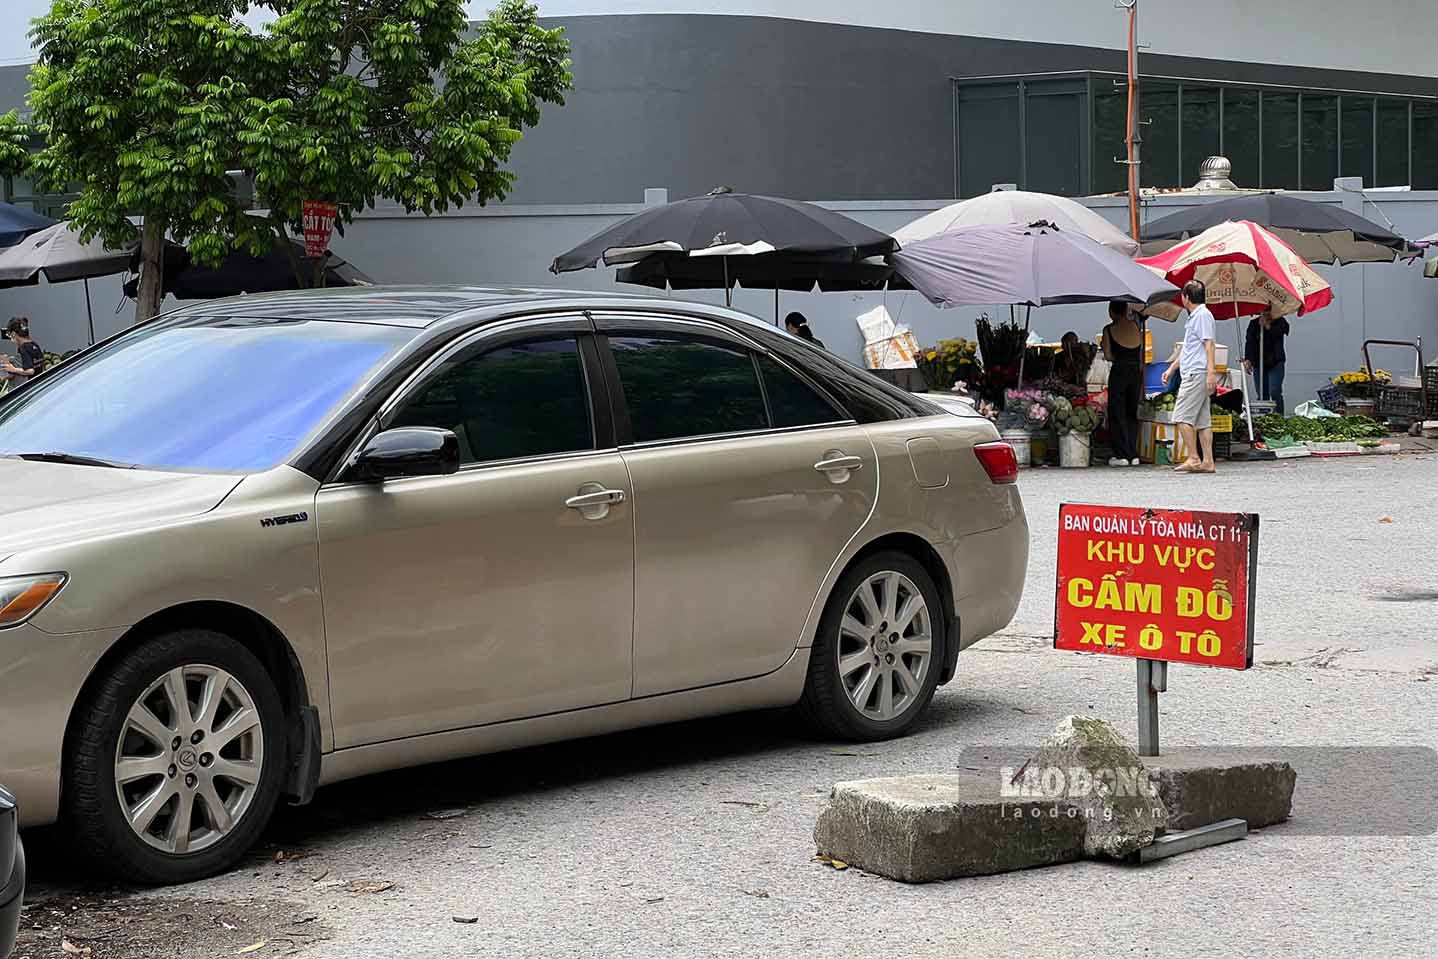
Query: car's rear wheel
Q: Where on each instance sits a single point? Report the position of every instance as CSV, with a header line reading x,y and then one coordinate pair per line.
x,y
174,762
876,658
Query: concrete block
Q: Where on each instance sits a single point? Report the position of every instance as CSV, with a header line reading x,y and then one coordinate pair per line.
x,y
1105,780
1203,786
926,828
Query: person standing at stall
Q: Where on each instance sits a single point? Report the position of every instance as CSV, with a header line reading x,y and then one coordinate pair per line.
x,y
798,325
31,361
1200,378
1123,348
1269,379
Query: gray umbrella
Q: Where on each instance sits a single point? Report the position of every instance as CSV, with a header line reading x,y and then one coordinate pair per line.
x,y
1036,265
58,253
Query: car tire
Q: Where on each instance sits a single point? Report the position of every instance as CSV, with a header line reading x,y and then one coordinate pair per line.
x,y
117,772
835,687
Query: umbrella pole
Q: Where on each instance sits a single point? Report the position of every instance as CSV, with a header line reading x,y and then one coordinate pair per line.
x,y
776,307
89,314
1024,349
1247,393
728,290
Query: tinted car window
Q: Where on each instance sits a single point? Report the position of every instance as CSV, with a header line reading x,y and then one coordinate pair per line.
x,y
236,394
514,401
867,398
791,401
677,386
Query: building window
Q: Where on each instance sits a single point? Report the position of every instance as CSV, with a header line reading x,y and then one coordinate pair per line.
x,y
1110,135
1158,108
1355,157
1392,142
1279,131
988,137
1242,132
1063,133
1199,133
1425,145
1320,141
1054,117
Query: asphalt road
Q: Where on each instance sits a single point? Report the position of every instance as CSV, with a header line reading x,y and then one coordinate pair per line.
x,y
694,840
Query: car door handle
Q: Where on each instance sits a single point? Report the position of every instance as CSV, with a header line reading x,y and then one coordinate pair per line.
x,y
603,497
834,464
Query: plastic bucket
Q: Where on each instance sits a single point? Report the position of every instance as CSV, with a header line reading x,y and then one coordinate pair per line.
x,y
1153,377
1074,450
1019,440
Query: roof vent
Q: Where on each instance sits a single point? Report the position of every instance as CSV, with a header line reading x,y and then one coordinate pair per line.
x,y
1214,174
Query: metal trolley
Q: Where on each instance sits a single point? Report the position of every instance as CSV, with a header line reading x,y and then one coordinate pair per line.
x,y
1399,400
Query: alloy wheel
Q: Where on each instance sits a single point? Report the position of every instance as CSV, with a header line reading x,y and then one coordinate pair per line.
x,y
886,644
189,759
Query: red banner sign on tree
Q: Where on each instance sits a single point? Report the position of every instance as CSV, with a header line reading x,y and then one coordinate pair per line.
x,y
1174,585
318,218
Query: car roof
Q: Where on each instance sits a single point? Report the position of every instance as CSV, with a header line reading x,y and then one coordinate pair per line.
x,y
420,307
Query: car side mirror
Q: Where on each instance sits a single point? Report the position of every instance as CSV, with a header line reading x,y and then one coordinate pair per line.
x,y
407,451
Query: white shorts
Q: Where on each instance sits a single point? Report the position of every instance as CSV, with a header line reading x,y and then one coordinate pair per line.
x,y
1192,404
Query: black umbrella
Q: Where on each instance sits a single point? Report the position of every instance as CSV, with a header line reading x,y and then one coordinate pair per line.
x,y
725,227
16,223
1318,232
241,272
762,271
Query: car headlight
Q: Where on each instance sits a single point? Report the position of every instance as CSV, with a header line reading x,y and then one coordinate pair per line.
x,y
23,596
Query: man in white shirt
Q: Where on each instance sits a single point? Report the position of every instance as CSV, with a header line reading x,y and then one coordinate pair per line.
x,y
1199,379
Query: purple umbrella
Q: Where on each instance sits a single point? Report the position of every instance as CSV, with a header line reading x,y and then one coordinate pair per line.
x,y
1036,265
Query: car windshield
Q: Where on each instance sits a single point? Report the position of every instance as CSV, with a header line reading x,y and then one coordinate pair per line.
x,y
236,395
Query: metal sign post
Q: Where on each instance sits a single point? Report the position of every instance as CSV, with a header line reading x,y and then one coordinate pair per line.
x,y
1152,680
1158,586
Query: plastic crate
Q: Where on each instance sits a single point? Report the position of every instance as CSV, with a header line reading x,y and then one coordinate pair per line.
x,y
1399,403
1222,422
1430,381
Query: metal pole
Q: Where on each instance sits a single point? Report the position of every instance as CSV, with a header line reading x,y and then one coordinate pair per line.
x,y
1134,140
1247,393
1023,350
776,307
89,314
728,291
1152,680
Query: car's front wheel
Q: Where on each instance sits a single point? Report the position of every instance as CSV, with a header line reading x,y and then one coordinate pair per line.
x,y
174,761
876,658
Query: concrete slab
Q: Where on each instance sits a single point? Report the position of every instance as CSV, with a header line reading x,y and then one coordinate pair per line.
x,y
1092,768
1203,786
926,828
932,827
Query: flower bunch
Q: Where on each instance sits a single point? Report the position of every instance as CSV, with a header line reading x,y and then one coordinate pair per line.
x,y
1355,384
948,361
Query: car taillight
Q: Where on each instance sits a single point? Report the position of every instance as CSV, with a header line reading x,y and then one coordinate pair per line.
x,y
998,461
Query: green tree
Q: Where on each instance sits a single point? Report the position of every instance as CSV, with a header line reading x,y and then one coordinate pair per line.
x,y
15,136
155,105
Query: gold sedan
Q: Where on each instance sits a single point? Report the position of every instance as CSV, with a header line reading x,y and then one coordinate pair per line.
x,y
268,543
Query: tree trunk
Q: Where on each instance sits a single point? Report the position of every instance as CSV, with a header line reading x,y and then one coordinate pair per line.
x,y
152,266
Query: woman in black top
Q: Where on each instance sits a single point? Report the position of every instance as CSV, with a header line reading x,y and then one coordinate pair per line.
x,y
1123,348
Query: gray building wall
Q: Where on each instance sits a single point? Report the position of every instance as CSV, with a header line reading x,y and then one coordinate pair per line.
x,y
513,245
797,108
858,117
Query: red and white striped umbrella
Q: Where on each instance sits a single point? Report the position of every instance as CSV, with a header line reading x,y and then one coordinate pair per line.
x,y
1246,270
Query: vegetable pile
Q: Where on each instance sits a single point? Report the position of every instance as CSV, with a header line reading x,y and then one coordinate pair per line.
x,y
1073,419
1337,430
